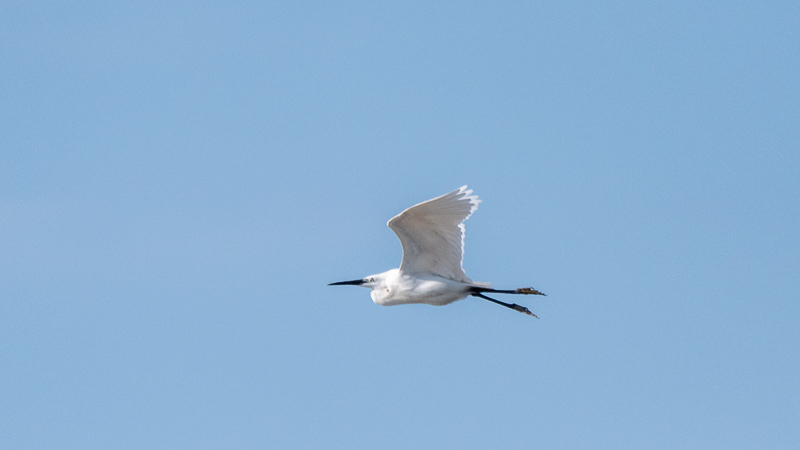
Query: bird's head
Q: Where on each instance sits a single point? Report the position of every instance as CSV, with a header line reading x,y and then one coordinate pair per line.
x,y
367,282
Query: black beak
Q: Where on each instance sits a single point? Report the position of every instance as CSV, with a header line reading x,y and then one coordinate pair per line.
x,y
354,282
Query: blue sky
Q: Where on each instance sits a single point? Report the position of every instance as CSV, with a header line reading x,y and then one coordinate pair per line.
x,y
179,182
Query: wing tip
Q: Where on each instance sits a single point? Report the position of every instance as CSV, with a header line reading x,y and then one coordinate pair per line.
x,y
465,194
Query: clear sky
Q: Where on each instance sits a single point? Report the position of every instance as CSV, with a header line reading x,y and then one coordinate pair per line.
x,y
179,182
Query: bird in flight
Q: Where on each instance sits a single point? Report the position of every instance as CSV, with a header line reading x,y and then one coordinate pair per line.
x,y
432,271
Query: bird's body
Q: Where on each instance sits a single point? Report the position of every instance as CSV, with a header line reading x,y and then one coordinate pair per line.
x,y
394,287
432,236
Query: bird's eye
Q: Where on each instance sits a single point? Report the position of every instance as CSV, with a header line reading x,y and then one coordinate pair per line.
x,y
372,280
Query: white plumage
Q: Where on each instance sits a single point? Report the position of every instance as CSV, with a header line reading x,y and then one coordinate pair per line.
x,y
432,234
432,272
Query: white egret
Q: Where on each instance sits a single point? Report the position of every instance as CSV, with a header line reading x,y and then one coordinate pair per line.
x,y
432,272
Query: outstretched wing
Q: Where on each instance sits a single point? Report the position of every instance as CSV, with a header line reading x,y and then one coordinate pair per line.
x,y
432,234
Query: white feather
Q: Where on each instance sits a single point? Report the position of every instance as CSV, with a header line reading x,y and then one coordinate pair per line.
x,y
432,235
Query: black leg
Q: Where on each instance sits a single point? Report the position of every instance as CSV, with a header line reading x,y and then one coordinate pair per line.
x,y
513,306
525,291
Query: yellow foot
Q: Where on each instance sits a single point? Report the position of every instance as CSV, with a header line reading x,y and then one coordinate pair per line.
x,y
530,291
523,310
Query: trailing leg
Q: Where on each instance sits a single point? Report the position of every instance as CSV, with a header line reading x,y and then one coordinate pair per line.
x,y
524,291
513,306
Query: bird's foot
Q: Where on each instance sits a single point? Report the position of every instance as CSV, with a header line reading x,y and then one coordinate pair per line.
x,y
523,310
529,291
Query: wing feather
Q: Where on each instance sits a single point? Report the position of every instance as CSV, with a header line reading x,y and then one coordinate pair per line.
x,y
432,234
